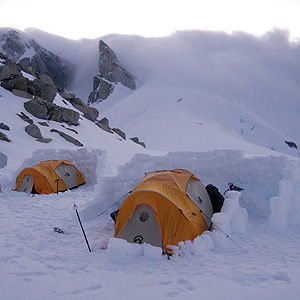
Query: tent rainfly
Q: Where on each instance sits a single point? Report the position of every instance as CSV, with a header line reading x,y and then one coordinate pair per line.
x,y
165,208
49,177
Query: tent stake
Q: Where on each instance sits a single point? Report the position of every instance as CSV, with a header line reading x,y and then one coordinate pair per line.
x,y
75,207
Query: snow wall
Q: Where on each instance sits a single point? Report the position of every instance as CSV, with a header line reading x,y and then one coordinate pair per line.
x,y
270,183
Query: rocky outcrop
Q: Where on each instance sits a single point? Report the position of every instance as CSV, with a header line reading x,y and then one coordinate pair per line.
x,y
111,72
16,45
12,79
9,71
46,110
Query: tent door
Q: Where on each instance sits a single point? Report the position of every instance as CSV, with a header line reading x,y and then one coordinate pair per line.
x,y
142,227
68,174
26,184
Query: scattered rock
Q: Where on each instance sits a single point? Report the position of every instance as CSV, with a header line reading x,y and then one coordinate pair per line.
x,y
68,138
120,133
292,144
33,131
21,94
3,160
3,137
90,113
3,126
44,140
71,129
44,124
25,118
104,124
43,109
136,140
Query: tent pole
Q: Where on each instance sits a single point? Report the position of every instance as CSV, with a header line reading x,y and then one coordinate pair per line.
x,y
75,207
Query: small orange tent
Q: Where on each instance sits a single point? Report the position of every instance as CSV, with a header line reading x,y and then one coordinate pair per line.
x,y
49,177
165,208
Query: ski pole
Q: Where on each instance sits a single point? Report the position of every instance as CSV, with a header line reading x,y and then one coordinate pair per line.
x,y
75,207
57,186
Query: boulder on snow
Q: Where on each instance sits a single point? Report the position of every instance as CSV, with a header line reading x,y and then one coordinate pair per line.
x,y
291,144
25,118
3,126
67,138
104,124
120,133
3,137
136,140
33,131
21,93
43,109
3,160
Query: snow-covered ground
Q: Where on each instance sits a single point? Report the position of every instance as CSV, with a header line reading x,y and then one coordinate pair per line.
x,y
253,252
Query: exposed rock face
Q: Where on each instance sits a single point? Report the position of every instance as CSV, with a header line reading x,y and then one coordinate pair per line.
x,y
111,72
16,45
12,79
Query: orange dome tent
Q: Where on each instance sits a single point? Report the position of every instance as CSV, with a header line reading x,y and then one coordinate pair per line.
x,y
166,207
49,177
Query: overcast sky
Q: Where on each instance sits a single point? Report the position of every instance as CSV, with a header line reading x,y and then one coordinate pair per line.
x,y
91,19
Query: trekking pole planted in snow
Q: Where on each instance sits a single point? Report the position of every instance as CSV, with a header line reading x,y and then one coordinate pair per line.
x,y
75,208
57,186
